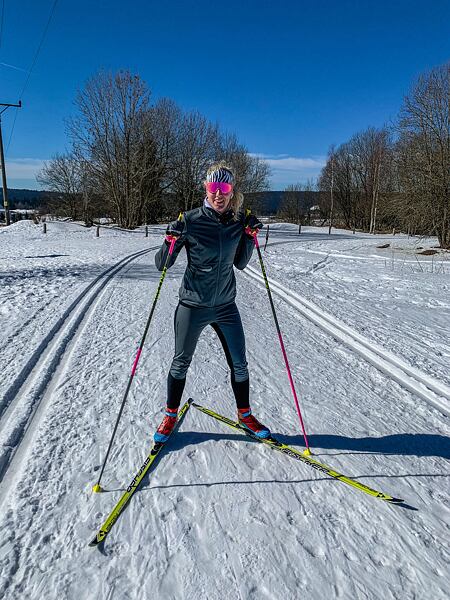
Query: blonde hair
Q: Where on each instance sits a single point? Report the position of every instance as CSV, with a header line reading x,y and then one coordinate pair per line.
x,y
237,198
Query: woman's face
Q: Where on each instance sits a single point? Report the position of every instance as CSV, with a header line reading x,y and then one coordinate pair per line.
x,y
219,202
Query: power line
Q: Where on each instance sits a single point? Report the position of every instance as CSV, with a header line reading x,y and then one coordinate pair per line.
x,y
39,48
33,64
1,23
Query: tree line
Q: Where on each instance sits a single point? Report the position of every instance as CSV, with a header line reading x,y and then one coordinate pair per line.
x,y
395,177
139,162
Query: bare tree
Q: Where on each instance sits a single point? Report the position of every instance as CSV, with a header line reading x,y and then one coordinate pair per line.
x,y
289,208
297,201
376,183
165,119
199,143
358,176
147,161
371,153
111,134
339,171
423,154
252,172
195,150
64,174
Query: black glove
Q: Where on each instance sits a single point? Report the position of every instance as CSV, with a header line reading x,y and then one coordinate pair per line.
x,y
252,225
174,230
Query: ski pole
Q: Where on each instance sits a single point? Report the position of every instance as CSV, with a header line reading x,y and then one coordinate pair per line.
x,y
283,350
97,487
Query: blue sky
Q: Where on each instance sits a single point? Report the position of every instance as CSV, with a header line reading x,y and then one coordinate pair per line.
x,y
289,77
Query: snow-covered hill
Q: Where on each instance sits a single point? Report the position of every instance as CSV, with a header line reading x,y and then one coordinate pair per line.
x,y
223,517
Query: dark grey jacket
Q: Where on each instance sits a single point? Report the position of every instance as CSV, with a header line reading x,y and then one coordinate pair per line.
x,y
214,243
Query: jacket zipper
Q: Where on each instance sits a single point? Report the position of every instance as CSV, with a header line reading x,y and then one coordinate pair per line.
x,y
219,264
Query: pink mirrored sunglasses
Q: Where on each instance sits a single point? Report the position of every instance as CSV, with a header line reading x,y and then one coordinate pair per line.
x,y
213,186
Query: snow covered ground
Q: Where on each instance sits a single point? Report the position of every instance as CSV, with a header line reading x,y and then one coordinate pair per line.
x,y
366,331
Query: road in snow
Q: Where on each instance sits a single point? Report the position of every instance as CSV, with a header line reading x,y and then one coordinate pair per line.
x,y
221,516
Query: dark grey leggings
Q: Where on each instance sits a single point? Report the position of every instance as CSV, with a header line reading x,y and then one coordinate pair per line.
x,y
226,321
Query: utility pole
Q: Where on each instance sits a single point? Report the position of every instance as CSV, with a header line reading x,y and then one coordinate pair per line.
x,y
2,158
331,192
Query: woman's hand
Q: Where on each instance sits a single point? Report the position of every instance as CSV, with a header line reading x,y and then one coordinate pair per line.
x,y
174,230
252,225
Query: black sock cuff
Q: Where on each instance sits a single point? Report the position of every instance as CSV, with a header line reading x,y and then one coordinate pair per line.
x,y
241,391
175,388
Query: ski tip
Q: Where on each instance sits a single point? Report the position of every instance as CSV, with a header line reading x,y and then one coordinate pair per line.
x,y
190,401
97,488
99,538
98,541
398,501
94,542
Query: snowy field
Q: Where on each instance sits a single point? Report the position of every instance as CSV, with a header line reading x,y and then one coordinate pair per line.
x,y
221,517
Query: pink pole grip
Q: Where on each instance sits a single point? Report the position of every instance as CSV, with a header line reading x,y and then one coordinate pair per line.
x,y
172,245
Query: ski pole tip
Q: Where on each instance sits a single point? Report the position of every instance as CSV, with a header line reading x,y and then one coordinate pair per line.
x,y
307,452
97,488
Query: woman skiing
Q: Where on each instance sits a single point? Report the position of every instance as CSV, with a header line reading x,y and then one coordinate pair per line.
x,y
217,237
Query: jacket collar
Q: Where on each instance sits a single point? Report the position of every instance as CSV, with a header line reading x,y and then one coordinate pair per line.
x,y
223,218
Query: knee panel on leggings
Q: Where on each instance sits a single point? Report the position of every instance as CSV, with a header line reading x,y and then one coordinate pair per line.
x,y
188,325
234,352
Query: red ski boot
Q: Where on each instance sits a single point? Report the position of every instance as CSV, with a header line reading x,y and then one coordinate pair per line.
x,y
246,419
168,423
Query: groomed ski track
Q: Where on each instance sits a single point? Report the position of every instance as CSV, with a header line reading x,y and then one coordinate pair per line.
x,y
413,379
222,517
26,397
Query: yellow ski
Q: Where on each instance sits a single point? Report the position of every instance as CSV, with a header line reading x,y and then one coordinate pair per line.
x,y
126,496
297,455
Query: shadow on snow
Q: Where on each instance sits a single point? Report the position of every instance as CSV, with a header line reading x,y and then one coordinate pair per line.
x,y
401,444
406,444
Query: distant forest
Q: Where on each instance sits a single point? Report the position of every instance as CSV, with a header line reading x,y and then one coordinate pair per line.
x,y
28,199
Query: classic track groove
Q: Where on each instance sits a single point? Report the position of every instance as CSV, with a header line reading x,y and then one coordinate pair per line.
x,y
25,395
411,378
